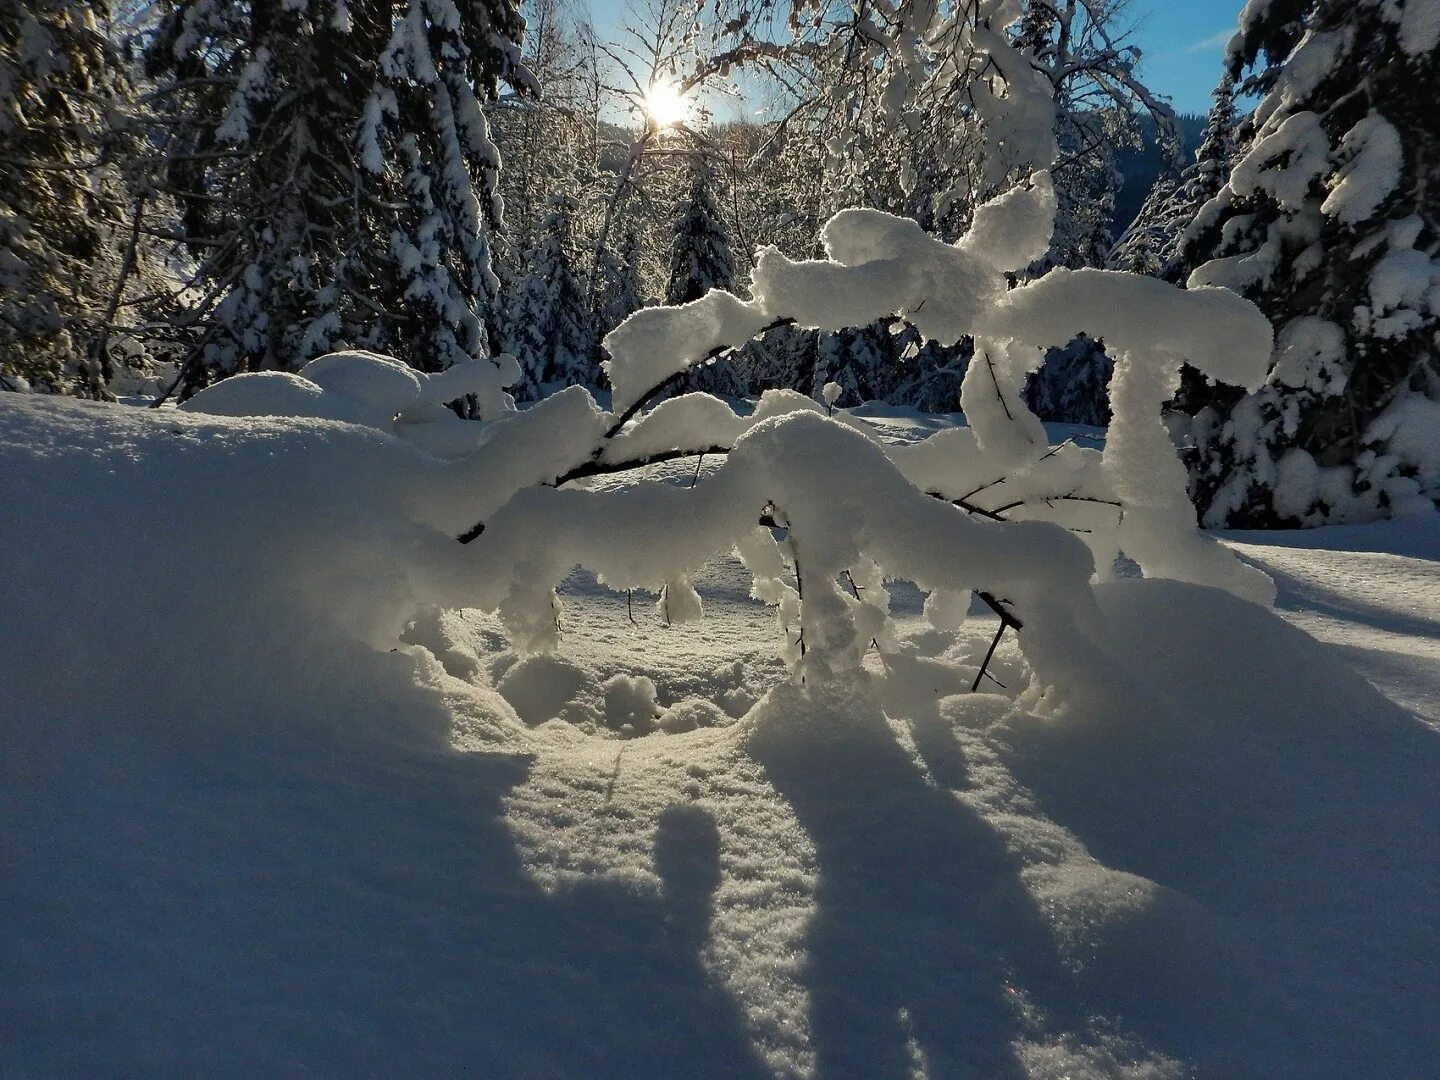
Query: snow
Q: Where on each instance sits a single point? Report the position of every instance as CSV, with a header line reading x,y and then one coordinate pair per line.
x,y
1373,159
656,343
1285,161
1310,354
1410,429
1419,25
362,388
250,837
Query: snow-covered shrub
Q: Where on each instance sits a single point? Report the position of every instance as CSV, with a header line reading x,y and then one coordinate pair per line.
x,y
821,500
819,509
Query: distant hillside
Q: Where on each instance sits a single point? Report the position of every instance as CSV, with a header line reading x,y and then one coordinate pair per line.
x,y
1142,167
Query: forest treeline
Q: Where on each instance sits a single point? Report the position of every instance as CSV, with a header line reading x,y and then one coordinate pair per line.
x,y
191,189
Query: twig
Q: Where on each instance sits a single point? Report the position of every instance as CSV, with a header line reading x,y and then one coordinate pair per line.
x,y
800,593
856,590
605,468
994,644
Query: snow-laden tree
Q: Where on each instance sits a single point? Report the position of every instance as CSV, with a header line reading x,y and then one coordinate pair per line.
x,y
1073,385
805,498
702,255
1330,221
64,212
821,508
862,361
1150,244
548,143
1140,249
619,291
1080,50
336,174
549,326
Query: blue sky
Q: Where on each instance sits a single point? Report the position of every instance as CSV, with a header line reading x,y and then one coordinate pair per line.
x,y
1183,42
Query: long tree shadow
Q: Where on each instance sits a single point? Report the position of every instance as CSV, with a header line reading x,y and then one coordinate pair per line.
x,y
1292,801
925,947
341,913
1300,594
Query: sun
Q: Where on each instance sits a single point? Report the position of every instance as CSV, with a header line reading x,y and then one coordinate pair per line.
x,y
665,105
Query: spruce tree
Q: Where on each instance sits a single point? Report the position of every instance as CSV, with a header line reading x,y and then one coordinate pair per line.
x,y
1140,249
1151,243
1073,385
861,360
701,253
1330,222
336,174
619,292
550,331
63,210
702,258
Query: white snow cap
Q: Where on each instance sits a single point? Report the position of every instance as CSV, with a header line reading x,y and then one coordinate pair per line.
x,y
656,343
357,387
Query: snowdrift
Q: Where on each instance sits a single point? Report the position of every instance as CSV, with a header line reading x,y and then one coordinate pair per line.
x,y
244,835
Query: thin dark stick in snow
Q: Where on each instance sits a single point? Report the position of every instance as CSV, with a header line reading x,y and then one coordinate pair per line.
x,y
614,775
856,590
968,507
999,394
799,592
630,606
983,487
696,478
605,468
994,644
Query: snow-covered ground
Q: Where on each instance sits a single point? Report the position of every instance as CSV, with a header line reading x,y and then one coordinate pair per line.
x,y
238,853
1368,591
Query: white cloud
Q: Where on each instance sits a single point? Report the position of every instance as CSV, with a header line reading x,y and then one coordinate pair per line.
x,y
1216,40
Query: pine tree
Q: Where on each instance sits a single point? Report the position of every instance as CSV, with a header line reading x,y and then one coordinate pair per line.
x,y
62,205
701,253
550,332
337,178
619,292
1331,223
1151,243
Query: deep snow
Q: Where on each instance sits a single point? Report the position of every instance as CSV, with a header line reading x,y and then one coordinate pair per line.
x,y
232,847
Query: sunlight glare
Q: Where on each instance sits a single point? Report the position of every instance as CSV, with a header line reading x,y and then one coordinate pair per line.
x,y
665,106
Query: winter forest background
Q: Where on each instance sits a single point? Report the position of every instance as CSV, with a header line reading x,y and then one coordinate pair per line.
x,y
193,190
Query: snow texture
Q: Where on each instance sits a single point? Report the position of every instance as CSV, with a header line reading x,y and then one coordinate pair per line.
x,y
347,832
